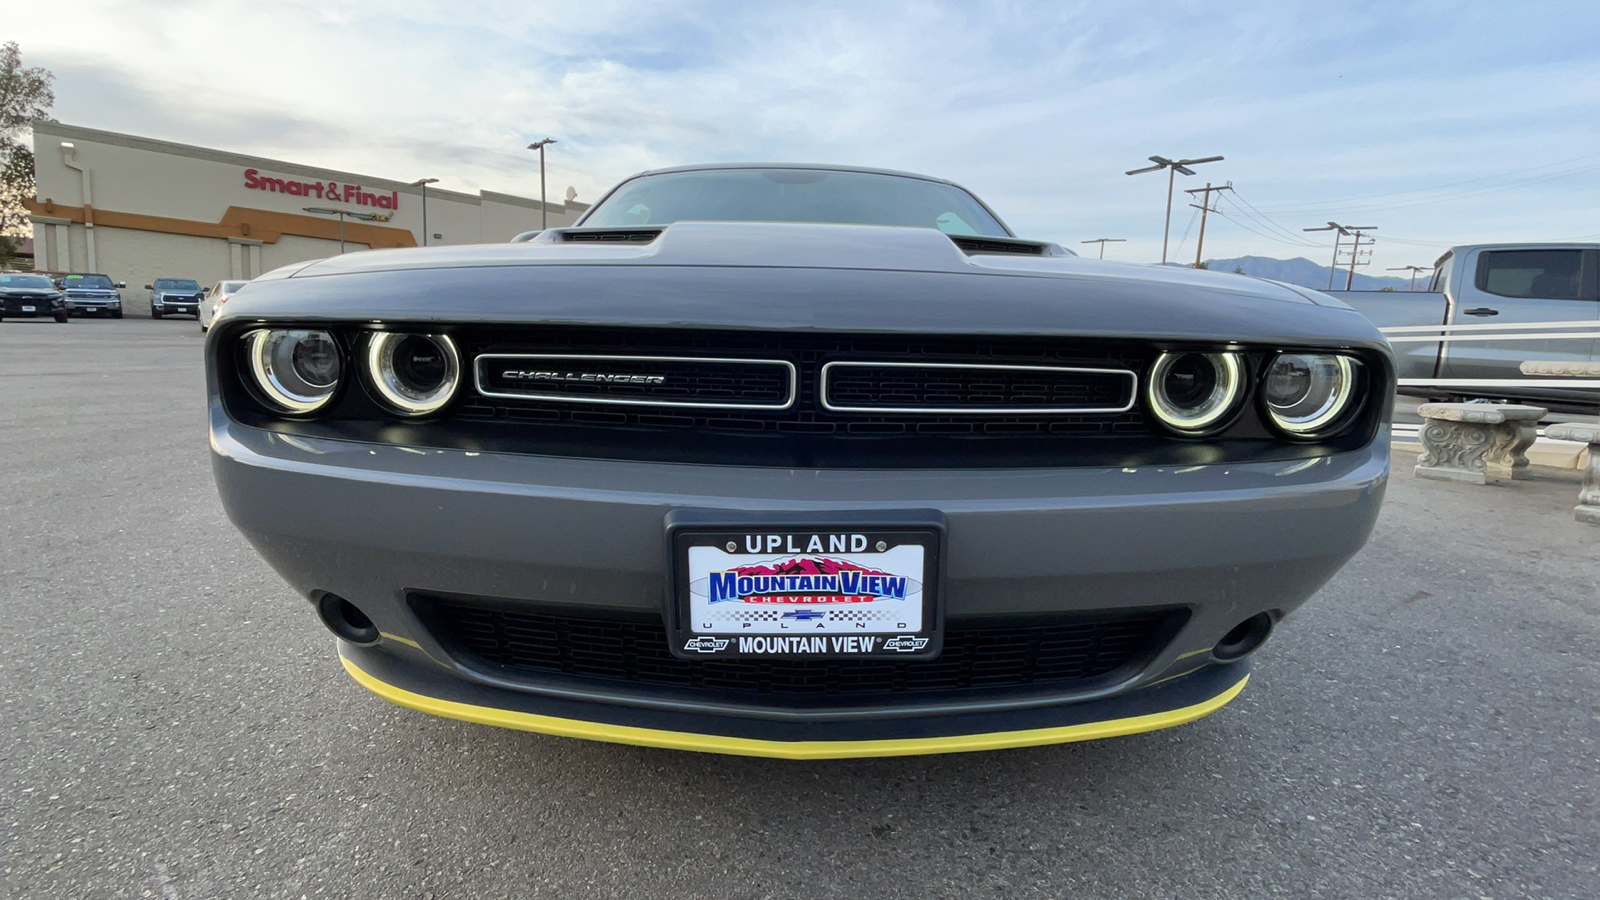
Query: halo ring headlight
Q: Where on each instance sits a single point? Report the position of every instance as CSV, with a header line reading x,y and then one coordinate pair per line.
x,y
1195,394
295,369
1307,395
413,374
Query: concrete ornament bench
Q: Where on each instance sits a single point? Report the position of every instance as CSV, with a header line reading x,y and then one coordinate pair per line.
x,y
1476,442
1588,508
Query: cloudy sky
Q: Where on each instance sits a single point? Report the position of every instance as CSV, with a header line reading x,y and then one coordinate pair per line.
x,y
1438,122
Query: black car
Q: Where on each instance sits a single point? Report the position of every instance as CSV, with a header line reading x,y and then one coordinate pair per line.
x,y
90,294
174,296
29,296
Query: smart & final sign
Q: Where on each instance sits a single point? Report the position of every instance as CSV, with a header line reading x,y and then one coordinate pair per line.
x,y
322,190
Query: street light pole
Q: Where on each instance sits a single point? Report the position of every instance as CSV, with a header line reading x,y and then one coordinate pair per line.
x,y
1414,270
1173,167
423,183
544,207
1102,242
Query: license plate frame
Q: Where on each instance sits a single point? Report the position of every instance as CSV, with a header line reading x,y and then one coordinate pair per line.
x,y
829,636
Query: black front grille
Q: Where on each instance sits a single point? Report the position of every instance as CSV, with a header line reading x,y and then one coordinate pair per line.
x,y
651,381
977,658
807,433
974,389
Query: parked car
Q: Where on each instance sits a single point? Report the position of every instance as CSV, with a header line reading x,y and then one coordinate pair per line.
x,y
1510,291
215,296
92,294
24,295
796,461
174,296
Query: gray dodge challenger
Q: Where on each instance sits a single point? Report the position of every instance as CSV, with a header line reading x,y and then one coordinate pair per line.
x,y
796,461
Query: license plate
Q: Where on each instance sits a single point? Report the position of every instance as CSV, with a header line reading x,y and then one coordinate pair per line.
x,y
27,309
837,589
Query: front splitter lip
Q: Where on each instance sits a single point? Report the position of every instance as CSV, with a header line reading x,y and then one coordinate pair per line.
x,y
1176,702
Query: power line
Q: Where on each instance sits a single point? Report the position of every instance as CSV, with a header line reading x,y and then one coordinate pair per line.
x,y
1187,228
1437,187
1443,198
1267,221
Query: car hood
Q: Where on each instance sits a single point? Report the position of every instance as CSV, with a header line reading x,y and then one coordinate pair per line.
x,y
794,276
786,246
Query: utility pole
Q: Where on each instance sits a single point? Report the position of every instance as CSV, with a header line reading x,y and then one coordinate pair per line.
x,y
1103,242
1414,270
1355,252
1341,231
1205,208
1173,167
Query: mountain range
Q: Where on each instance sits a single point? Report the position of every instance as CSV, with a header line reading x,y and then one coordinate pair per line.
x,y
1306,273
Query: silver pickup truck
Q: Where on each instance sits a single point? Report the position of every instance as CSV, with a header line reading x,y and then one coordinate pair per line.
x,y
1489,308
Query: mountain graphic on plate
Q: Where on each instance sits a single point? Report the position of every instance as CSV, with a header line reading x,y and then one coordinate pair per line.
x,y
809,565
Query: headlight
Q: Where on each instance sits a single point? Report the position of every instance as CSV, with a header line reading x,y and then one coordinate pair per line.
x,y
1195,393
297,370
414,374
1308,394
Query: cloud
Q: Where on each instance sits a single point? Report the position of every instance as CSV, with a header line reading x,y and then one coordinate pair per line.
x,y
1038,108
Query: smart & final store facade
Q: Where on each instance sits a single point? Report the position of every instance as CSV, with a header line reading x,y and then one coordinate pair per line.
x,y
138,209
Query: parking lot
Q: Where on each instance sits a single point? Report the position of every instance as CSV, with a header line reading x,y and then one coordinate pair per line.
x,y
176,724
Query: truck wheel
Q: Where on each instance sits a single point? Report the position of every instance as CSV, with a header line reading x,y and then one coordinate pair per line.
x,y
117,314
61,317
155,313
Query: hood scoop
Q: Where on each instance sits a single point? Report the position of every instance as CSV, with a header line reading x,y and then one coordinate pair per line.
x,y
988,246
611,236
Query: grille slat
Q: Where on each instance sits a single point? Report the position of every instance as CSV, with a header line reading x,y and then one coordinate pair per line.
x,y
633,651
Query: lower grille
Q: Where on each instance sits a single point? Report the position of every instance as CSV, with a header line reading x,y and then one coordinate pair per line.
x,y
985,658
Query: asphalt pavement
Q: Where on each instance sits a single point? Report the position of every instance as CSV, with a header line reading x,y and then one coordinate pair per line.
x,y
174,722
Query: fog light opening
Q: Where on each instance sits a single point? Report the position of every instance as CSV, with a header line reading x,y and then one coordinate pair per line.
x,y
1244,638
346,620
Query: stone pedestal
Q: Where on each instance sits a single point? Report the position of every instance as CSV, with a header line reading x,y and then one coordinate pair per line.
x,y
1476,442
1588,508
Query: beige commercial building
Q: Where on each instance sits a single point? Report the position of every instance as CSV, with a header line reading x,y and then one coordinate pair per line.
x,y
138,209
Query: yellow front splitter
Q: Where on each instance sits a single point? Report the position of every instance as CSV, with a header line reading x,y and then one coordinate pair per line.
x,y
737,746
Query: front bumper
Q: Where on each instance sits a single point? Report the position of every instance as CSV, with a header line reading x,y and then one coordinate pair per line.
x,y
17,308
90,306
1173,703
376,523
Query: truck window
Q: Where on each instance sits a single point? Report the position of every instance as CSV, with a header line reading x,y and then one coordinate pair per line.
x,y
1541,274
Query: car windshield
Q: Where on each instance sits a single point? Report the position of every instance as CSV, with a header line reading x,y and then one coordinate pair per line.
x,y
31,282
176,284
794,195
87,281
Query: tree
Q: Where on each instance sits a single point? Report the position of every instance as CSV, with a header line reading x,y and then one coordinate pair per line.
x,y
25,96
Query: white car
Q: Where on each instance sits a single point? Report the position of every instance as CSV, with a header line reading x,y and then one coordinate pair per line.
x,y
214,297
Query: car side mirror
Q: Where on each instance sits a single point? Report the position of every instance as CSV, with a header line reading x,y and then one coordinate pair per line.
x,y
121,284
146,287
